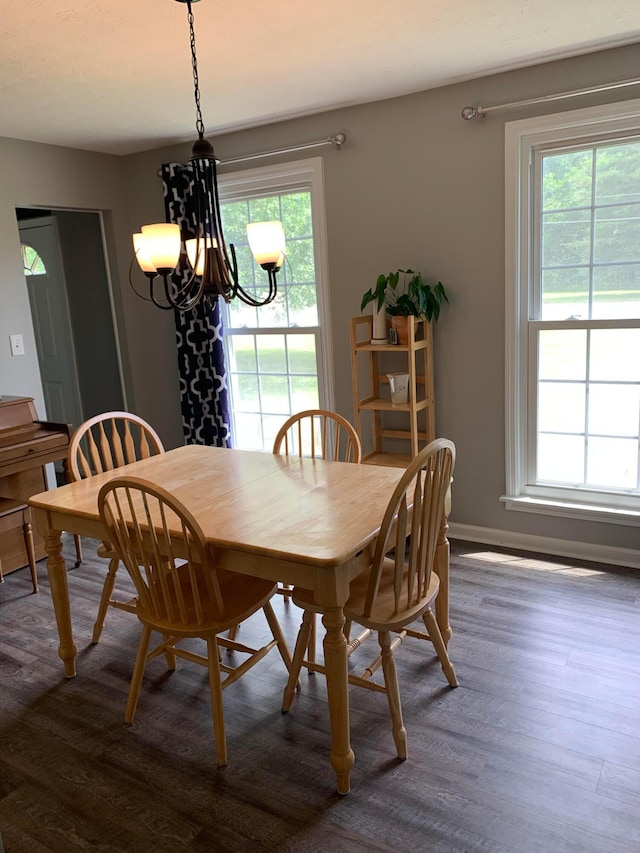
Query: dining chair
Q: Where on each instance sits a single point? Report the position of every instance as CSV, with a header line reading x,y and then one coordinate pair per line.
x,y
104,443
181,593
398,588
320,434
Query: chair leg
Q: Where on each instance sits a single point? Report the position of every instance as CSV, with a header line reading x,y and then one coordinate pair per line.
x,y
215,689
136,678
31,554
393,694
169,654
105,598
233,632
276,630
311,646
441,650
78,544
298,656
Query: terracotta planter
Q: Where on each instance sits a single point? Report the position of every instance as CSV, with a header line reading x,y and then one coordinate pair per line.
x,y
401,325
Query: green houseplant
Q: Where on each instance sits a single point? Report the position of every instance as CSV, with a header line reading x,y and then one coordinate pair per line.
x,y
405,297
409,296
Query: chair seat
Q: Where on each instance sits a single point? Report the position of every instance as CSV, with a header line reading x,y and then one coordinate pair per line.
x,y
383,615
242,596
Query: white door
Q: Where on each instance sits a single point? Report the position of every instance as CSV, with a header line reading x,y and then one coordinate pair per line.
x,y
51,321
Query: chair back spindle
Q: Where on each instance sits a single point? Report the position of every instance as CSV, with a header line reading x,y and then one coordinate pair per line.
x,y
320,434
164,550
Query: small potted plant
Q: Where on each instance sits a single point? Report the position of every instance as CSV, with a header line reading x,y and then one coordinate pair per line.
x,y
405,297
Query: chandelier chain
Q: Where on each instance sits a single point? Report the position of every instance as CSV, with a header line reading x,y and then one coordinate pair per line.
x,y
194,63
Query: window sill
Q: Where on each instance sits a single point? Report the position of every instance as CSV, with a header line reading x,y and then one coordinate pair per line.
x,y
566,509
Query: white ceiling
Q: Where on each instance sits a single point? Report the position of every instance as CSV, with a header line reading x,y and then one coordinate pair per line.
x,y
105,75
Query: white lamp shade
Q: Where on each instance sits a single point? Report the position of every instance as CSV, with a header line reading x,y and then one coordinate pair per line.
x,y
141,256
198,267
266,241
161,244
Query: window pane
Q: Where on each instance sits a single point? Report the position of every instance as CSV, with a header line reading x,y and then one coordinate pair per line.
x,y
615,355
32,262
244,388
302,353
616,292
613,462
304,393
617,234
618,173
561,407
614,410
296,214
241,351
561,458
271,354
566,238
565,294
248,431
563,354
274,391
566,180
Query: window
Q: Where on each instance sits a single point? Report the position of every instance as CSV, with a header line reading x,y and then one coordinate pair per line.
x,y
32,262
277,355
573,314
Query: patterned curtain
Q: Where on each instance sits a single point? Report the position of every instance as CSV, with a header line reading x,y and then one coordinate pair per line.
x,y
203,375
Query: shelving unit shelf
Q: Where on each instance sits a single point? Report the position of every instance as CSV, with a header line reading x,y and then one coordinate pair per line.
x,y
378,421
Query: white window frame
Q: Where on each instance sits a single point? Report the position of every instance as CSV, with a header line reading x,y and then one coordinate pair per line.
x,y
307,174
522,140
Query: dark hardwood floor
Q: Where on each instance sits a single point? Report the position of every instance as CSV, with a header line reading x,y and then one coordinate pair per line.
x,y
537,750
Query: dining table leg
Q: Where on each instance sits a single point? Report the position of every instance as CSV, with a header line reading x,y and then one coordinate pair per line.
x,y
335,656
57,572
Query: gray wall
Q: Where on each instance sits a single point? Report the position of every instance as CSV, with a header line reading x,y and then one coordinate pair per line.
x,y
414,186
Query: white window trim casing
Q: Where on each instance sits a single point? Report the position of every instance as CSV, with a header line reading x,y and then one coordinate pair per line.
x,y
521,138
303,174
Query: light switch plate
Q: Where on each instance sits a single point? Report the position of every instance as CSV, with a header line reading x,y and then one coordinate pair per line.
x,y
17,344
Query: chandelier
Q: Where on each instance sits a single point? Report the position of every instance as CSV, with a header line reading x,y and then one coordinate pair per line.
x,y
213,267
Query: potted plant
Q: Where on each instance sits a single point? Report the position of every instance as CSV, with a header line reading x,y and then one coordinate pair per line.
x,y
405,297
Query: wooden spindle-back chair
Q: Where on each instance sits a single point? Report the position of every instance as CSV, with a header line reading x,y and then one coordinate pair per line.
x,y
104,443
399,586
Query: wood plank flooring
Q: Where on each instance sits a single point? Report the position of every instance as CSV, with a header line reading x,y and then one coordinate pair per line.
x,y
537,751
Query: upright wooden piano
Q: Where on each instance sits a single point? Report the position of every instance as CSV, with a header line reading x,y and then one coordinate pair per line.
x,y
26,446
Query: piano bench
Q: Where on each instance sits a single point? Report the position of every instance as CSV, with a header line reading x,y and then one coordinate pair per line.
x,y
15,515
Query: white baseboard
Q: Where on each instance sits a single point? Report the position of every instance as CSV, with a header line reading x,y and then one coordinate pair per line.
x,y
544,545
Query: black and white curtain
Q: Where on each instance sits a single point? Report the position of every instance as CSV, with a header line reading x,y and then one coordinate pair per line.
x,y
201,364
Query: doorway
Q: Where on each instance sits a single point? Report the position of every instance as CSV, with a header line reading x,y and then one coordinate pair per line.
x,y
70,301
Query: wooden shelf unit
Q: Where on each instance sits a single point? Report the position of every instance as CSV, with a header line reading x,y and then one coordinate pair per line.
x,y
372,397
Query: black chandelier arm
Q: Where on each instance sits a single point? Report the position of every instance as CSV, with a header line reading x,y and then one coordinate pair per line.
x,y
245,297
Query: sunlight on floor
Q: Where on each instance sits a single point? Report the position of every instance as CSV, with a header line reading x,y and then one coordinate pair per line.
x,y
528,563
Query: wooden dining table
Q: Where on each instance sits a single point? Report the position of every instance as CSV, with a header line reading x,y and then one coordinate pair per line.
x,y
305,522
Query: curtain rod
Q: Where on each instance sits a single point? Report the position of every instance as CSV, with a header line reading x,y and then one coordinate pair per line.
x,y
338,139
469,113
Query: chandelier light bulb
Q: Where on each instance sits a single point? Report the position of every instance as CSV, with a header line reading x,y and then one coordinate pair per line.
x,y
161,245
267,243
142,256
193,247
